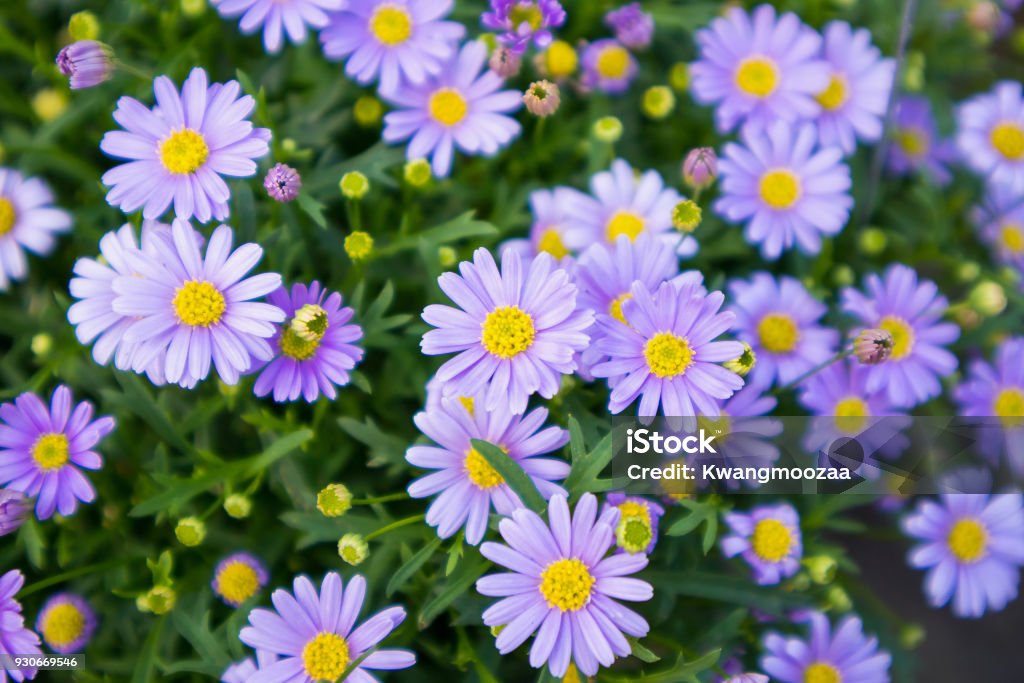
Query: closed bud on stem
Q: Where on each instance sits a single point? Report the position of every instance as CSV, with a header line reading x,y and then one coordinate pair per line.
x,y
237,506
190,531
334,500
873,346
352,548
700,168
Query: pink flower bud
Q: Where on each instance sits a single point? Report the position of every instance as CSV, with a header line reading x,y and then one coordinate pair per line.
x,y
700,168
873,346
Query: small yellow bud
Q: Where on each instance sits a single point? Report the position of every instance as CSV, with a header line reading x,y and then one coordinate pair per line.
x,y
679,76
821,568
334,500
559,60
843,275
988,298
368,111
159,600
354,185
84,26
744,364
193,8
49,104
42,344
237,506
417,172
447,257
838,600
968,271
608,129
358,245
658,102
352,549
190,531
873,241
911,636
686,216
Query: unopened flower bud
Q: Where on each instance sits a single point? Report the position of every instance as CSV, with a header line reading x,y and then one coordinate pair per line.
x,y
282,183
700,168
237,506
84,26
190,531
368,111
686,216
838,599
352,548
658,102
988,298
359,245
159,600
873,346
679,76
744,364
354,185
310,323
42,344
558,61
193,8
505,63
608,129
86,63
821,568
417,172
447,257
911,636
14,507
48,104
873,241
542,98
334,500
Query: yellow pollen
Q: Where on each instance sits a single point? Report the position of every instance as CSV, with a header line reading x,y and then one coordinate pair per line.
x,y
912,141
631,509
62,625
1011,236
757,76
7,216
526,14
820,672
183,151
851,413
448,106
967,540
668,355
507,331
238,582
624,223
566,584
50,452
391,24
199,304
835,94
902,335
771,540
1009,407
779,188
613,62
468,403
615,307
778,333
551,242
1008,139
480,471
325,657
294,346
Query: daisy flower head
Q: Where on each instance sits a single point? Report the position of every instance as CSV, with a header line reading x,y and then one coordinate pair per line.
x,y
633,27
780,320
855,100
238,578
28,222
460,106
916,144
393,40
178,151
86,63
551,227
315,346
910,310
972,546
990,134
42,449
195,309
468,486
563,587
768,539
637,528
843,655
313,633
66,622
608,66
786,190
15,639
665,354
520,22
1000,220
759,68
279,17
515,330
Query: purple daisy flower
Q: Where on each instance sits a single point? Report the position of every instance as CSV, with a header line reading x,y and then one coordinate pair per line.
x,y
15,639
1000,220
780,320
916,145
87,63
523,21
768,538
637,528
665,353
66,623
196,308
179,150
282,183
788,191
293,16
393,40
28,222
458,107
973,548
14,508
315,343
515,331
633,27
910,310
238,578
608,66
42,450
314,635
550,230
845,655
759,68
563,587
990,134
854,103
469,487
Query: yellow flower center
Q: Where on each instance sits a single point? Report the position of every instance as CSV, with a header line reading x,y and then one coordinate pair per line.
x,y
631,509
835,94
391,24
184,151
480,471
325,657
757,76
238,582
633,534
7,216
624,223
199,304
1008,139
771,540
310,322
820,672
572,674
560,59
1011,236
779,188
668,355
526,14
507,331
1009,407
778,332
613,62
468,403
294,346
851,413
912,141
615,307
50,452
551,242
967,540
902,335
566,584
448,106
63,624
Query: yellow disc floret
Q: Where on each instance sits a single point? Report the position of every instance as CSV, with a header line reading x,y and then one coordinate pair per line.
x,y
448,106
199,304
820,672
668,355
835,94
967,540
560,59
1009,407
480,471
551,243
325,657
779,188
1011,236
851,413
237,582
615,307
566,584
757,76
526,13
902,335
62,625
7,216
624,223
391,24
913,141
183,151
778,333
1008,139
507,331
50,452
771,540
613,62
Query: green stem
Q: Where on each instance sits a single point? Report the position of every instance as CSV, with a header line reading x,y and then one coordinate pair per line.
x,y
394,525
67,576
401,495
134,71
815,370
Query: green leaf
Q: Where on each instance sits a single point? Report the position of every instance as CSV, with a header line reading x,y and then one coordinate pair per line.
x,y
680,671
464,578
145,665
720,588
513,474
641,652
454,554
136,399
458,228
683,526
577,447
197,633
312,208
411,566
583,476
710,533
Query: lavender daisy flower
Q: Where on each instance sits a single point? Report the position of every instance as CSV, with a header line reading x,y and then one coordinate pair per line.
x,y
990,134
758,68
514,331
14,507
633,27
909,310
87,63
238,578
458,107
665,353
293,16
916,145
780,320
563,587
523,21
973,548
28,222
768,538
315,344
199,309
314,635
15,639
469,487
637,528
179,150
854,103
550,230
66,623
845,655
42,450
393,40
608,66
282,183
1000,220
788,192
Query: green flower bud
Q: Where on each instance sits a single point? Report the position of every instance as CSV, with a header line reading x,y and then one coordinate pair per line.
x,y
352,549
193,8
821,568
988,298
608,129
84,26
334,500
417,172
354,185
359,245
447,257
42,344
368,111
686,216
873,241
159,600
658,102
237,506
190,531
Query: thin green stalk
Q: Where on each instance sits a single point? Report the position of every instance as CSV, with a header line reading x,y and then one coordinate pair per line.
x,y
67,576
401,495
815,370
394,525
